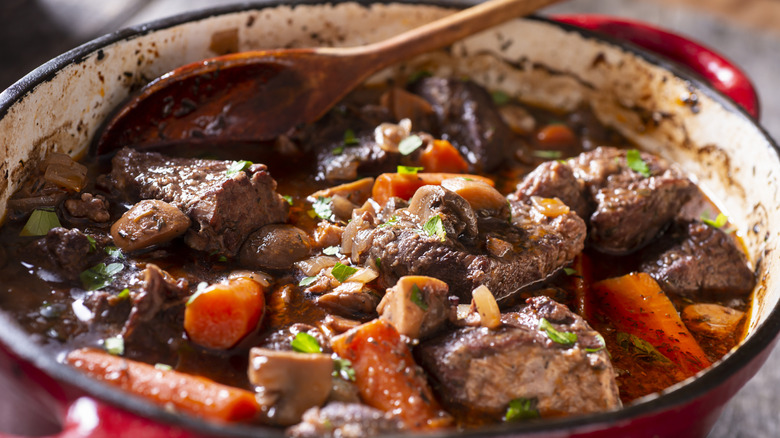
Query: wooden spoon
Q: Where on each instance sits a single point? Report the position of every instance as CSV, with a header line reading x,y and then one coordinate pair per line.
x,y
259,95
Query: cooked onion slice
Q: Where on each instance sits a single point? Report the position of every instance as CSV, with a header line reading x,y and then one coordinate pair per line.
x,y
487,307
66,173
550,207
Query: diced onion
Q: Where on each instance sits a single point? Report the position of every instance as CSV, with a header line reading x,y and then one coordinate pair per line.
x,y
66,173
487,307
314,265
364,275
550,207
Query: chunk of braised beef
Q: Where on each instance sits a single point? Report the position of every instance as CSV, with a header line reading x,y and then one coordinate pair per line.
x,y
351,300
699,262
154,327
65,252
501,255
625,209
225,205
483,370
346,420
468,118
89,206
631,209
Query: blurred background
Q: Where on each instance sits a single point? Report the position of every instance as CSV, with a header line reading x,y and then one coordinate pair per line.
x,y
745,31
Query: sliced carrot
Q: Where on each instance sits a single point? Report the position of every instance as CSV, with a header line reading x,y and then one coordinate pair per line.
x,y
555,135
192,394
222,314
388,185
387,376
635,304
442,156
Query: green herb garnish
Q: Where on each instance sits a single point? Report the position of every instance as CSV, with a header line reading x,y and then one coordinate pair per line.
x,y
499,97
600,347
92,244
238,166
418,298
416,76
322,208
338,150
434,227
222,259
547,154
114,252
198,290
305,281
163,367
342,272
100,275
639,347
390,222
718,222
564,338
409,144
349,138
288,198
305,343
115,345
125,294
331,250
343,368
522,409
408,170
636,163
570,271
40,222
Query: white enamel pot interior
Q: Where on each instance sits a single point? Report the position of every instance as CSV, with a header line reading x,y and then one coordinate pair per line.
x,y
59,106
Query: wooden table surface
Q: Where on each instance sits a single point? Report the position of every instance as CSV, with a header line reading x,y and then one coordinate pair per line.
x,y
746,31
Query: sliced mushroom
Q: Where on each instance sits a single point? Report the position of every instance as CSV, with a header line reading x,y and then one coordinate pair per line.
x,y
457,215
275,246
712,320
480,195
416,306
289,383
147,223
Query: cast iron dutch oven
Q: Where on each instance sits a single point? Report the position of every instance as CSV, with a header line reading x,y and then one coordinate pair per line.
x,y
709,127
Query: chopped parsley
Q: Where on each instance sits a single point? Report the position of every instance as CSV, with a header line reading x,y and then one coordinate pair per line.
x,y
198,291
331,250
409,170
40,222
115,345
639,347
238,166
601,346
338,150
435,228
522,409
343,368
322,208
570,271
636,163
564,338
418,298
548,154
100,275
305,281
499,97
390,222
718,222
288,198
92,244
409,144
342,272
125,294
349,138
163,367
114,252
305,343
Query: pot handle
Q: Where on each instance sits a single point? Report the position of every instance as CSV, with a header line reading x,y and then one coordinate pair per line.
x,y
721,73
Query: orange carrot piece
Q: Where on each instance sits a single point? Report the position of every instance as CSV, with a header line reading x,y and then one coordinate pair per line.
x,y
388,185
387,376
442,156
635,304
222,314
555,135
192,394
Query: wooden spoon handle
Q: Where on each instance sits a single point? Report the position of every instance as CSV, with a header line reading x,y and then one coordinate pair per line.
x,y
448,30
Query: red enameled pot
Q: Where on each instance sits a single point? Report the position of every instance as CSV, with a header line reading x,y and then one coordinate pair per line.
x,y
624,68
